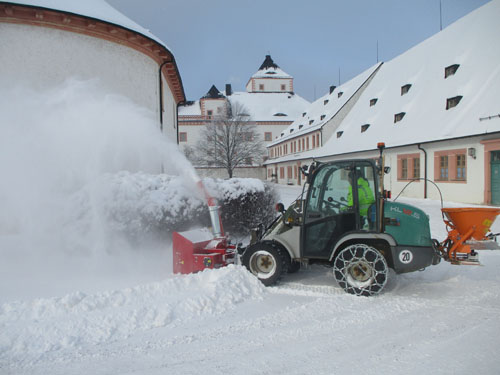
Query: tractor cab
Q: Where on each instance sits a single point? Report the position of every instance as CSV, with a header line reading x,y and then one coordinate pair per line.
x,y
342,198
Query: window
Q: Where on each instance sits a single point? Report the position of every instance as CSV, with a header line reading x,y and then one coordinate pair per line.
x,y
453,102
325,102
301,126
373,102
405,89
261,87
339,134
317,140
443,167
314,141
322,117
304,114
268,136
282,172
408,166
340,94
450,70
183,137
416,167
364,127
307,143
210,113
399,116
289,172
283,87
310,122
404,169
291,130
460,175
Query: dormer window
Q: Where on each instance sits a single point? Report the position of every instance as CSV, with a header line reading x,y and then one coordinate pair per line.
x,y
304,114
450,70
405,89
322,117
282,134
364,127
291,130
310,122
453,102
339,134
301,126
399,116
279,114
373,102
325,102
340,94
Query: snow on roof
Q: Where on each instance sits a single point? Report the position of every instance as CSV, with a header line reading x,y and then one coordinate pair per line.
x,y
190,109
323,109
269,69
271,73
469,42
97,9
270,106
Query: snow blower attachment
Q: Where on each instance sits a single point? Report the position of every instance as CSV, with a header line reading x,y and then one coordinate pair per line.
x,y
195,250
468,231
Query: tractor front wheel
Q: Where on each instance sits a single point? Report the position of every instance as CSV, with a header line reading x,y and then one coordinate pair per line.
x,y
361,270
264,261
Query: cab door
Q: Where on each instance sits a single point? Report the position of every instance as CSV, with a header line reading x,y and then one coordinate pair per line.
x,y
332,206
326,212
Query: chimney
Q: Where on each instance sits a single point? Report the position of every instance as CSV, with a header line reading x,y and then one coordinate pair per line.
x,y
332,88
229,90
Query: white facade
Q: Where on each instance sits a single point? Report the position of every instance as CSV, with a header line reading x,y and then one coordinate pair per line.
x,y
270,85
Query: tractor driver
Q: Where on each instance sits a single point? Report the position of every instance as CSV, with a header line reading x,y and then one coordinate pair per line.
x,y
365,196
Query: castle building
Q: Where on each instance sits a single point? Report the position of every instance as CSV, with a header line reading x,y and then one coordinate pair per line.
x,y
269,101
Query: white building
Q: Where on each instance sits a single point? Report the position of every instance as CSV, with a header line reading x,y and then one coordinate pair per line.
x,y
269,100
435,106
45,42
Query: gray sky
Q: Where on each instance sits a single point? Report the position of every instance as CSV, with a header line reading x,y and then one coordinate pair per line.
x,y
225,41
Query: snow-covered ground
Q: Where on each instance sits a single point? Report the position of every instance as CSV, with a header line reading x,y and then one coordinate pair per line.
x,y
443,320
75,298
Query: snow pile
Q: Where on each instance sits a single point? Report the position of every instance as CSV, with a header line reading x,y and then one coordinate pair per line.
x,y
31,329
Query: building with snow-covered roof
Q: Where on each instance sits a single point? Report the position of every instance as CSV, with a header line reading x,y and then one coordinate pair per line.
x,y
269,101
435,107
46,42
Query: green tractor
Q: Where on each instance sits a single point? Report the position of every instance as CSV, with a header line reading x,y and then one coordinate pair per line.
x,y
343,220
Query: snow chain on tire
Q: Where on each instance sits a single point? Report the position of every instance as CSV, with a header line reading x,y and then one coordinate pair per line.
x,y
361,270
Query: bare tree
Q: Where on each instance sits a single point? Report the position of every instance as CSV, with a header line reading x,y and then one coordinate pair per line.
x,y
230,140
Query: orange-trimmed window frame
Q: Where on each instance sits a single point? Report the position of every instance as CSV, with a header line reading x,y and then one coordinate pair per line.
x,y
450,166
407,167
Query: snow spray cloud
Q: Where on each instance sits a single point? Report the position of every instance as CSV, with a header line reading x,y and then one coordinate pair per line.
x,y
56,142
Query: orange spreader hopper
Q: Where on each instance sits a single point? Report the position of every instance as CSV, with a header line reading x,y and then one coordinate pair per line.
x,y
468,229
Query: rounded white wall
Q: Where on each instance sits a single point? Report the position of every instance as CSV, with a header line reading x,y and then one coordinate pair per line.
x,y
44,57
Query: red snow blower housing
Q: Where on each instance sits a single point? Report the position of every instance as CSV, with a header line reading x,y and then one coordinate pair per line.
x,y
198,249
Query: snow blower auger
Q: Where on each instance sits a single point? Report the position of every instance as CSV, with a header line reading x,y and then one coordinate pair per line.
x,y
196,250
468,231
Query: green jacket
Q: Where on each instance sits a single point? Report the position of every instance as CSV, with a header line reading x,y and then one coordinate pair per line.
x,y
365,196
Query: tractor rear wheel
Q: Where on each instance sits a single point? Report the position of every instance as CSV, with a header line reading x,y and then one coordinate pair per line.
x,y
361,270
264,261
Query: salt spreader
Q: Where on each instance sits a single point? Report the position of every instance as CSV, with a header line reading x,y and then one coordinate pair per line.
x,y
343,219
